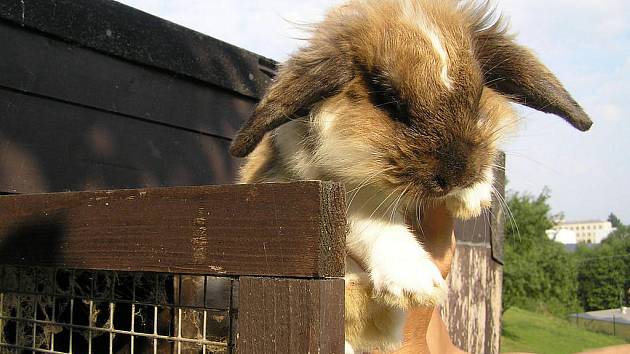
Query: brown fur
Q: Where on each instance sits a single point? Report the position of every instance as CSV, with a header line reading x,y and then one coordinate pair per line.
x,y
368,46
410,96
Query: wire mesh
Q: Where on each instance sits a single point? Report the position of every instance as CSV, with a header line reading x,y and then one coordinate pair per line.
x,y
61,311
619,329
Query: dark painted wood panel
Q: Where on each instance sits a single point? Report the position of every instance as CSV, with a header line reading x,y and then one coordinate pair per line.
x,y
290,316
52,68
266,230
49,146
119,30
475,230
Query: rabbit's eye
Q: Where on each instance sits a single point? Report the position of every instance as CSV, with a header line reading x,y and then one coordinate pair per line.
x,y
385,97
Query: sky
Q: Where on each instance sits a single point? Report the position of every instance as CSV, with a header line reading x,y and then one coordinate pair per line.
x,y
586,43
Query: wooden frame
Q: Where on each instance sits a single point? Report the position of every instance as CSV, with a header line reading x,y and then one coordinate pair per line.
x,y
284,243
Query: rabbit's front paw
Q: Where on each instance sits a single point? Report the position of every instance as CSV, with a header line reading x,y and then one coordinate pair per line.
x,y
348,348
469,203
409,280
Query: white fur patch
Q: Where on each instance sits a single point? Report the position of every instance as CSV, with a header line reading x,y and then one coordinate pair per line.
x,y
398,265
374,324
424,24
470,202
325,121
290,140
339,152
348,349
409,10
442,54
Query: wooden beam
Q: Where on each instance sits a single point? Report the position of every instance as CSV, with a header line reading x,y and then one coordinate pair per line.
x,y
122,31
51,68
293,230
290,316
52,146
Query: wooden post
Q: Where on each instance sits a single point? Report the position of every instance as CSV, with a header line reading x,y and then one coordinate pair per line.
x,y
290,316
473,308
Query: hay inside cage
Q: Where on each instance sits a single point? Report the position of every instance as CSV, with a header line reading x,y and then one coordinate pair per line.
x,y
77,311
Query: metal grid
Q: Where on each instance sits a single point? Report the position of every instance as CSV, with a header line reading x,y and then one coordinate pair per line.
x,y
46,310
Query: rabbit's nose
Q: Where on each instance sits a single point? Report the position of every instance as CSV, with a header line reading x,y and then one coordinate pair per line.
x,y
441,182
452,164
440,185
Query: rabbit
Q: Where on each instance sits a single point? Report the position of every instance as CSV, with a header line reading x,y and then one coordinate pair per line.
x,y
405,102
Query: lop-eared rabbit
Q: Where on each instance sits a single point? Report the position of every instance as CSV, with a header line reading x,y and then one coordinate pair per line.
x,y
405,102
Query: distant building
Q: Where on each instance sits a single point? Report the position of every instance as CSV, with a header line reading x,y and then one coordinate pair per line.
x,y
564,236
589,232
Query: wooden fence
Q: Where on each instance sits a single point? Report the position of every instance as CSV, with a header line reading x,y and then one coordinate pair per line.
x,y
95,95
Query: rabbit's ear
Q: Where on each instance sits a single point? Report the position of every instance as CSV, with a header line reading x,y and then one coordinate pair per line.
x,y
310,76
514,71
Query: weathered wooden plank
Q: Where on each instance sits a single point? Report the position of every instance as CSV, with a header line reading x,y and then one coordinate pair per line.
x,y
458,298
473,309
476,310
49,146
290,316
266,230
119,30
494,307
49,67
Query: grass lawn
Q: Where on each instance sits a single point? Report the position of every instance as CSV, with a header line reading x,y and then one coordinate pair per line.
x,y
531,332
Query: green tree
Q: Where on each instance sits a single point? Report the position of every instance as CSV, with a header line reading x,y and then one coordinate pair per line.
x,y
528,219
621,234
614,220
539,274
604,271
602,277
